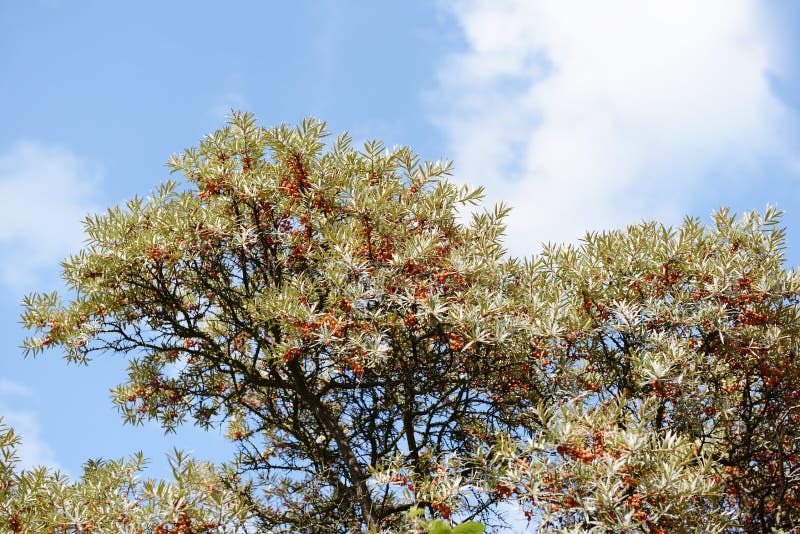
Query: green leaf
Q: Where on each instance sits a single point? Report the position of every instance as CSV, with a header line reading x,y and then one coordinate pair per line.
x,y
437,526
470,527
415,511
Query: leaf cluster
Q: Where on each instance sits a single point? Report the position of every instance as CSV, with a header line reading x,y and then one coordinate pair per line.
x,y
111,497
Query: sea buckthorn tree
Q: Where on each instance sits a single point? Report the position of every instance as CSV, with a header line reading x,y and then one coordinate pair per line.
x,y
323,303
383,365
674,384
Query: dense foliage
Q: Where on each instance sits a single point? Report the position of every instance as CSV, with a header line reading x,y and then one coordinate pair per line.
x,y
673,382
383,365
111,497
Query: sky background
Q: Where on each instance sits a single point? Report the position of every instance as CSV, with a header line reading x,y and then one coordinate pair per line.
x,y
580,115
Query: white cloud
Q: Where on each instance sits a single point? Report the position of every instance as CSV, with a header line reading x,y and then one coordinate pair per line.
x,y
232,98
591,115
32,451
230,101
9,388
45,193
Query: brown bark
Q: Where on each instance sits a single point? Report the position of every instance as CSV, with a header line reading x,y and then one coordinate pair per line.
x,y
325,418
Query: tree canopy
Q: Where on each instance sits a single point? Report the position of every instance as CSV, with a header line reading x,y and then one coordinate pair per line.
x,y
384,365
110,496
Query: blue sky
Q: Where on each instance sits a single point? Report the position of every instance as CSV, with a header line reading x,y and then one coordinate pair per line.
x,y
581,115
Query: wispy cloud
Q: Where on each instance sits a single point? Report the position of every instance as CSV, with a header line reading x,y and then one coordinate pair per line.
x,y
591,115
230,101
9,388
33,450
231,98
45,193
